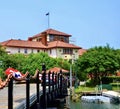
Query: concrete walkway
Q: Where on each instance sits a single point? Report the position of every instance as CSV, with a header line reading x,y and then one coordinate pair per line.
x,y
19,95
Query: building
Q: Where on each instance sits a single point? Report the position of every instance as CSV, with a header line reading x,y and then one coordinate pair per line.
x,y
51,41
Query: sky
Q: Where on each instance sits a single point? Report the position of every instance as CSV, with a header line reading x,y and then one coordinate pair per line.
x,y
90,22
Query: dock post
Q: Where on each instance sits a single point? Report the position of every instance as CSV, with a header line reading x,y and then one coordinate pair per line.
x,y
10,94
28,92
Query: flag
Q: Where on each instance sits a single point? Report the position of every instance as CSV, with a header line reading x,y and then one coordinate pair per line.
x,y
47,14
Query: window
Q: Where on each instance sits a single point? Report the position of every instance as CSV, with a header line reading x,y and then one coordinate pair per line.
x,y
51,38
25,50
39,39
18,50
31,50
38,51
61,38
66,39
67,51
50,51
60,50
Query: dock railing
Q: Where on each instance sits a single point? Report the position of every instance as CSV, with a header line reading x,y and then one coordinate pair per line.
x,y
57,88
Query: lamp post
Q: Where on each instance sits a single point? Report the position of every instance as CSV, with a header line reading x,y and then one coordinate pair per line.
x,y
70,79
71,74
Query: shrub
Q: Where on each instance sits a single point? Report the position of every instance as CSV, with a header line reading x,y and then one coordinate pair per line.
x,y
2,74
110,79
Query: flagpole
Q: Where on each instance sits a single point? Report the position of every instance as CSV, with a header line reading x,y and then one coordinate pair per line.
x,y
48,14
48,21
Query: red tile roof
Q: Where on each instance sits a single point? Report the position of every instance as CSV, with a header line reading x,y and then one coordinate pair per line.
x,y
34,44
51,31
60,44
118,73
57,70
55,32
81,51
23,44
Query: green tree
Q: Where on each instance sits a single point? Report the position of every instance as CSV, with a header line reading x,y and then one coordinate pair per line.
x,y
2,51
98,62
31,62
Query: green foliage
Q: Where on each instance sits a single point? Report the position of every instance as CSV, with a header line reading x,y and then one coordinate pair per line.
x,y
99,62
90,83
115,84
2,51
31,62
2,75
111,79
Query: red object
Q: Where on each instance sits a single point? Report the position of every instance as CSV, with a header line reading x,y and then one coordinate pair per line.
x,y
15,72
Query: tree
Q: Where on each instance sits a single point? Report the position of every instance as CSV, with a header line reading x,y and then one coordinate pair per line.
x,y
98,62
2,51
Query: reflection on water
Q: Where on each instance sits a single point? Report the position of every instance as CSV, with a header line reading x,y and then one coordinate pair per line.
x,y
83,105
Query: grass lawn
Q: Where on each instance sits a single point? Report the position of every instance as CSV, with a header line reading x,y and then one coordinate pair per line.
x,y
84,89
92,89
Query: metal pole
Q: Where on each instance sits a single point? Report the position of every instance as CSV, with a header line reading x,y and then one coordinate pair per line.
x,y
58,86
10,94
70,80
60,82
53,82
38,95
56,81
48,14
28,92
44,87
49,81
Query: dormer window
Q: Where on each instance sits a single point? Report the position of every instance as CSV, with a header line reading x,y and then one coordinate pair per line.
x,y
51,37
39,39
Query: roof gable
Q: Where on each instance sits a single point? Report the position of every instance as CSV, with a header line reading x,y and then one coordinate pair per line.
x,y
50,32
55,32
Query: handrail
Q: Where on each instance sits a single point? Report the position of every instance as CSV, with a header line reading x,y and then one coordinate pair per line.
x,y
58,87
22,78
5,83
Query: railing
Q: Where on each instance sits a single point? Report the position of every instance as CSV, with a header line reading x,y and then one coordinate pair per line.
x,y
50,90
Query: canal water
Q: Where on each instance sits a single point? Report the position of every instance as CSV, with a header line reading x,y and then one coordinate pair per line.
x,y
82,105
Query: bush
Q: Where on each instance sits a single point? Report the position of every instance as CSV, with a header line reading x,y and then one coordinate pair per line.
x,y
2,74
115,84
90,83
110,79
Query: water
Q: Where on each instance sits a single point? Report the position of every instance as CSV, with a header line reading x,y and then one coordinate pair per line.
x,y
83,105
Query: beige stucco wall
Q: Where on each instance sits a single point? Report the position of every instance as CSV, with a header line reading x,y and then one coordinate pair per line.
x,y
58,52
55,52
